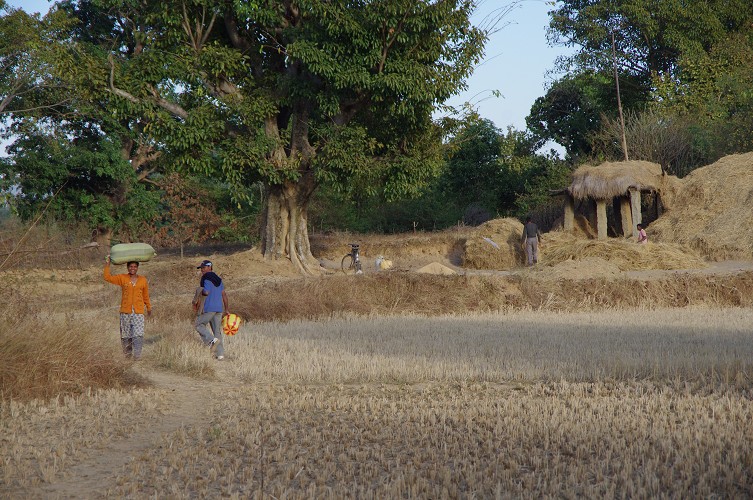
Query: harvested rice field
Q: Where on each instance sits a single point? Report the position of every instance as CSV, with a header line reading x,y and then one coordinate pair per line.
x,y
639,403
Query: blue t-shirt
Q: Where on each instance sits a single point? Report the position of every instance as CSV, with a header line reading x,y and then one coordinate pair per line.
x,y
213,302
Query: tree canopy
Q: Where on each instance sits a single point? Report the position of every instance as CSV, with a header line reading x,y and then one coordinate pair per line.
x,y
688,58
291,93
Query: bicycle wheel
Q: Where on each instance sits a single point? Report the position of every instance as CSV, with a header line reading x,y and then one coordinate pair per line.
x,y
347,264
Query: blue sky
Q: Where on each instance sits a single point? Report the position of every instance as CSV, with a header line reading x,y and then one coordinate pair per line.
x,y
516,60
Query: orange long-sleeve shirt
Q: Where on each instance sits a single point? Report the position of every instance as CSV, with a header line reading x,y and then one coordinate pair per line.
x,y
135,297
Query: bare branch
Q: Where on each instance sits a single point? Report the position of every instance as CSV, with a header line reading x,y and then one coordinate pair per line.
x,y
209,30
117,91
168,106
187,28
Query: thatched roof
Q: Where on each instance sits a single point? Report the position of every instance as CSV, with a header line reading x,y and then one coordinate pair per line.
x,y
612,179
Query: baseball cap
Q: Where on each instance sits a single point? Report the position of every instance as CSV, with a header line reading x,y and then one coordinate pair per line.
x,y
204,263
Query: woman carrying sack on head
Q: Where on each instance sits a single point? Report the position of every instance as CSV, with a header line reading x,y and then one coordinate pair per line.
x,y
134,302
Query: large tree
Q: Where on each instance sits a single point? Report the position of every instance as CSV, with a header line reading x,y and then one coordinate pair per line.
x,y
290,93
573,108
689,57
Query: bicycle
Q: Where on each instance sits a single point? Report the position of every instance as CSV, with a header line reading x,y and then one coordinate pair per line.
x,y
351,263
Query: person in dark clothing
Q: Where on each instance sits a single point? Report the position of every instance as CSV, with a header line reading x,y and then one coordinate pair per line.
x,y
531,241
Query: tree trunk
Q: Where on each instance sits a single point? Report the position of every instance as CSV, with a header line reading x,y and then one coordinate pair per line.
x,y
285,226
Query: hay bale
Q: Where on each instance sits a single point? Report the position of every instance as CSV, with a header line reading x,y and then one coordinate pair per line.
x,y
495,245
713,211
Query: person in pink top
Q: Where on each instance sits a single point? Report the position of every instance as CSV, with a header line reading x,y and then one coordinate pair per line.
x,y
642,238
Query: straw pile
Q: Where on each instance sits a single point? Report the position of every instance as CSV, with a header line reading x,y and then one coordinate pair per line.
x,y
713,212
582,227
627,255
495,245
436,268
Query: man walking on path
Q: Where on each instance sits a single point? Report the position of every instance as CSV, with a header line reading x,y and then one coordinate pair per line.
x,y
531,241
133,303
211,309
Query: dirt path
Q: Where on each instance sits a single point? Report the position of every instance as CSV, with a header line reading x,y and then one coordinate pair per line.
x,y
713,269
91,477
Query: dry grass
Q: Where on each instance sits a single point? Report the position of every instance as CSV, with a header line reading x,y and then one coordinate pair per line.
x,y
439,244
546,441
42,440
498,405
47,352
626,255
546,289
713,212
661,345
612,179
495,245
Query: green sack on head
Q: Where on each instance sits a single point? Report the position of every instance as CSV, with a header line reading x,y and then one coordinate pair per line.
x,y
127,252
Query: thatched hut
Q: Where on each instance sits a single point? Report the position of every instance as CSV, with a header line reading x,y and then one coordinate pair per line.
x,y
621,184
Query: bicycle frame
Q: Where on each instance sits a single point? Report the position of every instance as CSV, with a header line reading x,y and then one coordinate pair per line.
x,y
352,261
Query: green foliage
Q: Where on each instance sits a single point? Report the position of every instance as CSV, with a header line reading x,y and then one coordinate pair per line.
x,y
29,47
79,181
650,36
715,94
473,164
278,93
430,211
574,106
691,57
489,172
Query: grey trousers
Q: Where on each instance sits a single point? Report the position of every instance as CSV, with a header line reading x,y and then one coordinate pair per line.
x,y
213,320
532,250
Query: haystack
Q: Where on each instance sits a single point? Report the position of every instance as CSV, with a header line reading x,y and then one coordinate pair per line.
x,y
594,188
626,255
495,245
713,212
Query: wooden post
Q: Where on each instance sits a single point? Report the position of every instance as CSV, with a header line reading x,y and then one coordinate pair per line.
x,y
635,209
569,223
601,219
626,216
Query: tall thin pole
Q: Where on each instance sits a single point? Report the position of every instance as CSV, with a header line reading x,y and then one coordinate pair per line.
x,y
619,100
